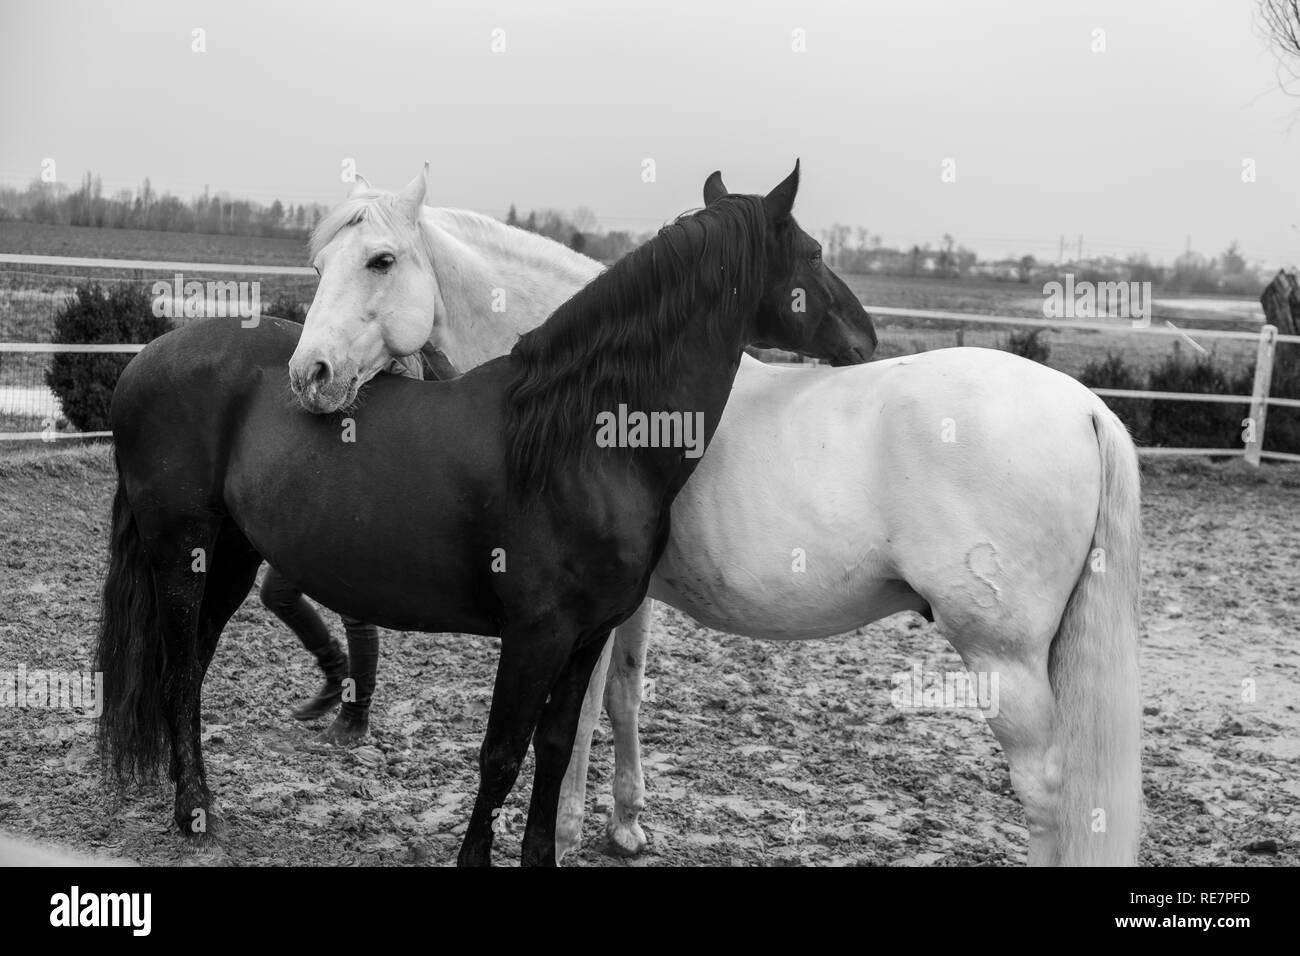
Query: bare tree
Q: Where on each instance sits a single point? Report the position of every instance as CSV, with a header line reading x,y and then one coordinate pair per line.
x,y
584,220
1281,19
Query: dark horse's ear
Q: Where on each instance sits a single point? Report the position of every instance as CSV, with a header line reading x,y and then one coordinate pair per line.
x,y
780,200
714,188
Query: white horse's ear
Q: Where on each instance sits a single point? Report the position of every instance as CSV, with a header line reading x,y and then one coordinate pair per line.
x,y
360,184
411,197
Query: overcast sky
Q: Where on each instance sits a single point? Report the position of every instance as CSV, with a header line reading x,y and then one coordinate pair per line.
x,y
1137,147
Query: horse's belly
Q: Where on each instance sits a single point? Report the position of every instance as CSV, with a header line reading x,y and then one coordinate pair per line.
x,y
739,602
775,535
353,526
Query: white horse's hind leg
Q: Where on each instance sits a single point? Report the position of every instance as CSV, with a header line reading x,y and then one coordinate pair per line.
x,y
573,792
623,703
1025,726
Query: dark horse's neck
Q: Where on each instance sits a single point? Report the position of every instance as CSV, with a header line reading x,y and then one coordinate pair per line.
x,y
659,334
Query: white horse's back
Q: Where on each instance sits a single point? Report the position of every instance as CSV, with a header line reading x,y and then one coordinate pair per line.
x,y
884,460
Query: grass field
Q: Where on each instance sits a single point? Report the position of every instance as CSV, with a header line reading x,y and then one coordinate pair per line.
x,y
37,239
30,295
1071,349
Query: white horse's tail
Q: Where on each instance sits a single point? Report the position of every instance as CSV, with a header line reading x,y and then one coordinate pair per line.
x,y
1093,667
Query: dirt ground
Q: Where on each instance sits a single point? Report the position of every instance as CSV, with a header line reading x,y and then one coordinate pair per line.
x,y
756,753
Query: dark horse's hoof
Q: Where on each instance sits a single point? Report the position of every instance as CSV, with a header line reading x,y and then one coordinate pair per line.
x,y
203,849
474,858
326,698
202,829
344,731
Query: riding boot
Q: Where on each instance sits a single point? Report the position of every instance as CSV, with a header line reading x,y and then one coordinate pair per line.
x,y
334,663
353,721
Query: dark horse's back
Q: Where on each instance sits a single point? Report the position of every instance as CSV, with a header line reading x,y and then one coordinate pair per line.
x,y
180,392
206,423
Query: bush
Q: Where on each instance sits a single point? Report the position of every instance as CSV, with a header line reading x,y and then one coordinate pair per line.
x,y
1114,372
84,382
1027,345
1198,424
1282,426
1195,424
286,308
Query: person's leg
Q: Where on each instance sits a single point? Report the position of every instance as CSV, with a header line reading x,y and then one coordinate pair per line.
x,y
288,604
353,721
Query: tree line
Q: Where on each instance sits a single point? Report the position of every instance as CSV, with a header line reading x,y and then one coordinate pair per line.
x,y
856,250
145,208
579,230
847,248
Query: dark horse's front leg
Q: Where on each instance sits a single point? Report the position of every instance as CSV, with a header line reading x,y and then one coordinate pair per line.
x,y
533,657
553,746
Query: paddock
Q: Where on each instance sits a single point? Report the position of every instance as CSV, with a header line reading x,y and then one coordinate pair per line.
x,y
756,753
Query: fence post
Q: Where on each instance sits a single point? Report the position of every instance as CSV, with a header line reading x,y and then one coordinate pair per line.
x,y
1263,385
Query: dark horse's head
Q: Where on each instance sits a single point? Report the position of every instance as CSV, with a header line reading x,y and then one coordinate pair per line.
x,y
807,289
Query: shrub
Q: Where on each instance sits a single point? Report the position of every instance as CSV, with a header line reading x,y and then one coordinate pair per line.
x,y
1027,345
1114,372
83,381
1282,426
1195,424
286,308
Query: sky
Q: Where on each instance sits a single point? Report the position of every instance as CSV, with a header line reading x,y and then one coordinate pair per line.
x,y
1138,146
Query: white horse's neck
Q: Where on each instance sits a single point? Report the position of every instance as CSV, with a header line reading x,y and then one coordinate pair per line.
x,y
495,281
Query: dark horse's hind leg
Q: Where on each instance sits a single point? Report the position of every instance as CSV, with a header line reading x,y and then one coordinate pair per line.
x,y
532,659
229,579
197,592
552,746
181,557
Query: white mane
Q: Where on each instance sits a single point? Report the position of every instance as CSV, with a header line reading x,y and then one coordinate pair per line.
x,y
472,255
482,232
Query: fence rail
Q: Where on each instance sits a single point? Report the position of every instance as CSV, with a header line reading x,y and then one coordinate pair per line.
x,y
41,348
145,265
1259,401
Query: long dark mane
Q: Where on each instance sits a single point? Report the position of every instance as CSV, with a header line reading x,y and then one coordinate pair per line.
x,y
619,338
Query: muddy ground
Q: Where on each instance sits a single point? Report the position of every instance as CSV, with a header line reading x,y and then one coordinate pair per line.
x,y
741,737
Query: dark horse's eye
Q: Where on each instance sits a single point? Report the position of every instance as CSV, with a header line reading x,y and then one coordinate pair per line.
x,y
381,263
816,257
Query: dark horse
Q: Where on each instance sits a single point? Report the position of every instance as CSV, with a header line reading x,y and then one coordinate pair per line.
x,y
479,505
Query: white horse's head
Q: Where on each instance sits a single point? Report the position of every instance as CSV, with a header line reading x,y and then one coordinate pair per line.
x,y
378,295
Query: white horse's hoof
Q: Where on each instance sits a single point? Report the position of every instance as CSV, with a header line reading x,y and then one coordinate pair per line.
x,y
625,839
568,834
564,845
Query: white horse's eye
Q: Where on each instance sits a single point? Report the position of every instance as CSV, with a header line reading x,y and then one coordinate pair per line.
x,y
381,263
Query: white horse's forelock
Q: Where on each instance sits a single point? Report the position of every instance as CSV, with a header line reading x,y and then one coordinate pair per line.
x,y
368,205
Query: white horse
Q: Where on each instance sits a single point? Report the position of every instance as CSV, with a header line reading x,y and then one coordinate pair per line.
x,y
996,496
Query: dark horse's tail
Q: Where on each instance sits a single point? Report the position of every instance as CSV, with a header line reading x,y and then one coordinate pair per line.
x,y
130,654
